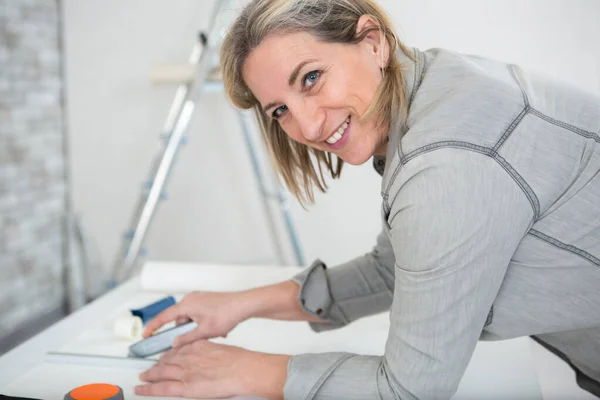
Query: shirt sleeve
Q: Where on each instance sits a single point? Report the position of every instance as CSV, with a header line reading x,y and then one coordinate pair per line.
x,y
347,292
455,219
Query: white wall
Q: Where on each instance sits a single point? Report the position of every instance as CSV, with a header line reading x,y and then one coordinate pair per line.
x,y
213,213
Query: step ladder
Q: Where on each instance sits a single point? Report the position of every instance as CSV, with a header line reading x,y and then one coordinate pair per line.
x,y
201,73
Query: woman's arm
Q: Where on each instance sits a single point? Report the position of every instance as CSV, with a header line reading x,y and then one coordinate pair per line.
x,y
454,222
278,301
349,291
330,298
455,218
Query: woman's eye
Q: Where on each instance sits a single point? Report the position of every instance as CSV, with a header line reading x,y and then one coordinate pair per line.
x,y
279,111
311,78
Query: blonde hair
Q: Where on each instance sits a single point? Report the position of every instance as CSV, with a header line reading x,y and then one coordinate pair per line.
x,y
334,21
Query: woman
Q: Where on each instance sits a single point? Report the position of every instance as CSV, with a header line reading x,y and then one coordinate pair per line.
x,y
490,209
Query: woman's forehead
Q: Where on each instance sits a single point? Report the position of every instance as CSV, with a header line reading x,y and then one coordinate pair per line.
x,y
276,58
270,65
285,48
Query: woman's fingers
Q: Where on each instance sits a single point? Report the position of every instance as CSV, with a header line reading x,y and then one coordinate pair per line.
x,y
163,372
168,377
189,337
166,316
163,388
198,370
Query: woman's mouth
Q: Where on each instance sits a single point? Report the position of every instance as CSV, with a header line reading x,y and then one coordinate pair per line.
x,y
339,134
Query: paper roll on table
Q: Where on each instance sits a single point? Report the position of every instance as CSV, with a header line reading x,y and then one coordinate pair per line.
x,y
173,277
128,327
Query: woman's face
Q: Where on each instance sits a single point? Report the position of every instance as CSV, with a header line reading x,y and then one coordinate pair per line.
x,y
317,91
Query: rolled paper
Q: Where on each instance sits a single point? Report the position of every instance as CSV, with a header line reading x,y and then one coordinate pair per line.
x,y
181,278
152,310
128,327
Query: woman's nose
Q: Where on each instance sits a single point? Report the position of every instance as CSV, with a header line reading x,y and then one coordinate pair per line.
x,y
310,119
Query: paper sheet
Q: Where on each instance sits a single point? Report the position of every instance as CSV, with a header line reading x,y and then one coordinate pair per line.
x,y
53,381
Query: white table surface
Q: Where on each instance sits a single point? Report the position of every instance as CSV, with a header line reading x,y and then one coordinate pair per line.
x,y
81,349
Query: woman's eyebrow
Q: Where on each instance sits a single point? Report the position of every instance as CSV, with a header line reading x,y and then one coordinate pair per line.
x,y
268,106
296,71
291,80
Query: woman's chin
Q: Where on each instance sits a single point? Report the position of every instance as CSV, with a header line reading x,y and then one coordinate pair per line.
x,y
356,158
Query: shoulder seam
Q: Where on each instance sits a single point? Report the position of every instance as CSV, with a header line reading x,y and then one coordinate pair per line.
x,y
566,247
564,125
519,180
518,82
513,125
537,113
518,118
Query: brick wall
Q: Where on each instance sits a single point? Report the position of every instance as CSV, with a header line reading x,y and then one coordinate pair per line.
x,y
32,162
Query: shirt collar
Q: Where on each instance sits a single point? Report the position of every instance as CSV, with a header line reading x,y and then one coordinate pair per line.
x,y
412,72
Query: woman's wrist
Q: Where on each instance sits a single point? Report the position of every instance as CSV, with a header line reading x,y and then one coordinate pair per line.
x,y
279,301
265,375
270,301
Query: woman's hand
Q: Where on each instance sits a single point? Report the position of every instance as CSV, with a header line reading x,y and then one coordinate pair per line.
x,y
215,313
208,370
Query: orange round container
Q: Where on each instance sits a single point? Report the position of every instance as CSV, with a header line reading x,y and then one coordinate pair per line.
x,y
96,391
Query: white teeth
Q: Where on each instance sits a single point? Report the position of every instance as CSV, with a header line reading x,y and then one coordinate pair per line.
x,y
339,133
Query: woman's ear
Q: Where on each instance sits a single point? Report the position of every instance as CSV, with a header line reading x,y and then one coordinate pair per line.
x,y
374,40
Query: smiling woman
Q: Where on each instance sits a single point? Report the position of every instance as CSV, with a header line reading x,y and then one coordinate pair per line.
x,y
489,210
307,68
319,100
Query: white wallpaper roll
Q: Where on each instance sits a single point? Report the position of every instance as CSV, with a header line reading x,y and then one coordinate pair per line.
x,y
173,277
128,327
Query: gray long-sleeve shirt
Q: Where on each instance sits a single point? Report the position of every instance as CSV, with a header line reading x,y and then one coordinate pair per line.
x,y
491,230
